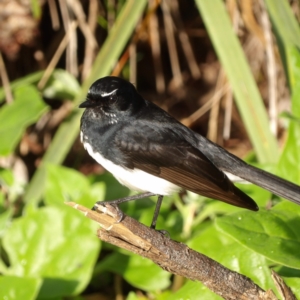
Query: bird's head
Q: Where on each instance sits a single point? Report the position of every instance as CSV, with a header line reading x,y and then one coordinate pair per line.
x,y
112,95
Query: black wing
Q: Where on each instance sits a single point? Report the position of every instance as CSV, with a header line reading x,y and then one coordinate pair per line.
x,y
164,152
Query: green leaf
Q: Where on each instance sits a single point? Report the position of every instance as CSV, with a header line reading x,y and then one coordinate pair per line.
x,y
56,244
294,284
287,31
293,55
289,163
36,9
61,85
15,117
288,206
5,219
58,90
12,187
194,290
247,97
16,288
138,271
114,188
102,66
233,255
144,274
291,278
64,184
116,262
284,21
23,81
6,177
214,207
133,296
272,233
3,267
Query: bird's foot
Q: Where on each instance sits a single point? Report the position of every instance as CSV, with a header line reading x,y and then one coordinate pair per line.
x,y
110,208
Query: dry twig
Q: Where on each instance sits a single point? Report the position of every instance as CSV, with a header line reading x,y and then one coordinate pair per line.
x,y
172,256
285,292
155,46
5,81
271,68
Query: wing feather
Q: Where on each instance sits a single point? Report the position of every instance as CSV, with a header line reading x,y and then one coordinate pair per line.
x,y
166,154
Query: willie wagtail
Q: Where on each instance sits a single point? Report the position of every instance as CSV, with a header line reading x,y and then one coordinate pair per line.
x,y
149,151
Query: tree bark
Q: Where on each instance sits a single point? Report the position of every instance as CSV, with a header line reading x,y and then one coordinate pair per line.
x,y
172,256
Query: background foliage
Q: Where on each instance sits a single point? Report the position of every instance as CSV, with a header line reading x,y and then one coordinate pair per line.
x,y
190,57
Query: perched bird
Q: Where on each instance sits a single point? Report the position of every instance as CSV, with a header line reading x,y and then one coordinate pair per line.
x,y
149,151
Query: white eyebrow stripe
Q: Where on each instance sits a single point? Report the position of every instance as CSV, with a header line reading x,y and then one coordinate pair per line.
x,y
108,94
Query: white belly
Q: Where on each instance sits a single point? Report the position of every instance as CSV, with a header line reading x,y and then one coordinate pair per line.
x,y
135,179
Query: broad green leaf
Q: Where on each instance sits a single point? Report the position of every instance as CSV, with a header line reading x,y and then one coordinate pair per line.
x,y
160,295
15,117
144,274
5,219
233,255
288,206
61,85
138,271
30,79
272,233
102,66
291,278
214,207
194,290
246,93
64,184
53,86
3,267
12,187
57,244
6,177
17,288
115,262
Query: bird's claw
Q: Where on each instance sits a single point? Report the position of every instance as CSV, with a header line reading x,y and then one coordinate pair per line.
x,y
112,210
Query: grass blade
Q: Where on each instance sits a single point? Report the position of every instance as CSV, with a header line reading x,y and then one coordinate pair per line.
x,y
107,57
287,33
246,93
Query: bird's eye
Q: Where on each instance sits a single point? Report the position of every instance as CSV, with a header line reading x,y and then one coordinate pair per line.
x,y
112,99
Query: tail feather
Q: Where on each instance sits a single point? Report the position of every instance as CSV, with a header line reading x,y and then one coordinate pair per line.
x,y
270,182
229,163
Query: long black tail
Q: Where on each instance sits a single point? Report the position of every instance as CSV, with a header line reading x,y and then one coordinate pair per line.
x,y
228,162
268,181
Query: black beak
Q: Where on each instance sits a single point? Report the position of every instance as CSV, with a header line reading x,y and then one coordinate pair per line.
x,y
87,103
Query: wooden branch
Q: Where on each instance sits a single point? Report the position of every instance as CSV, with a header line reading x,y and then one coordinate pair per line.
x,y
172,256
285,292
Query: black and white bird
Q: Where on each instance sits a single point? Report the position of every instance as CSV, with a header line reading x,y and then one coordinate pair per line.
x,y
149,151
